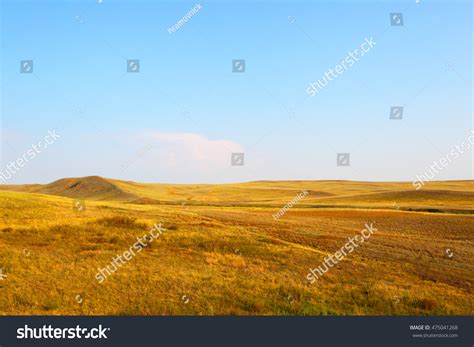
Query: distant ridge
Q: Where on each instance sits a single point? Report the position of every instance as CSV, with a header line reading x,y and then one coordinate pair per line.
x,y
90,187
436,195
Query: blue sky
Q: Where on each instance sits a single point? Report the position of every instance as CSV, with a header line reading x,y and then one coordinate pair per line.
x,y
180,118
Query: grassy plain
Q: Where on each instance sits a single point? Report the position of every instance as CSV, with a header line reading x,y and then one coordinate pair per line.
x,y
224,254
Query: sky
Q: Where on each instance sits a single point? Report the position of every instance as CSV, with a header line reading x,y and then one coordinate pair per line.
x,y
180,118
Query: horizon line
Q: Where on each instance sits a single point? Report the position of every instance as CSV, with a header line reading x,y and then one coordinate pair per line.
x,y
241,182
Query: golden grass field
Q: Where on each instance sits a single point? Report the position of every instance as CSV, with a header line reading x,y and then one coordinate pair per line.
x,y
222,253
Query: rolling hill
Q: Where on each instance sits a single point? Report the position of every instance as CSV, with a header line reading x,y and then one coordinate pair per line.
x,y
454,196
91,187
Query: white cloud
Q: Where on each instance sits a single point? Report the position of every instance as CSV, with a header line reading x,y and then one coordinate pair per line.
x,y
191,151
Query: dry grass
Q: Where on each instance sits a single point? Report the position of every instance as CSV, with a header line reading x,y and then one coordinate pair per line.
x,y
237,260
